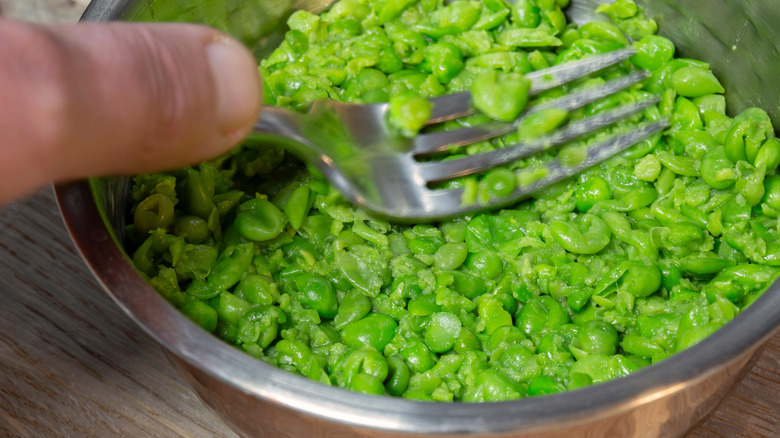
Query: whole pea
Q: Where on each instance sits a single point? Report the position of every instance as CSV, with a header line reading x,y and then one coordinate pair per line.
x,y
541,385
694,82
652,52
156,211
589,192
598,337
318,293
375,330
486,263
772,193
192,228
259,220
442,332
641,280
354,306
450,255
541,312
398,378
366,384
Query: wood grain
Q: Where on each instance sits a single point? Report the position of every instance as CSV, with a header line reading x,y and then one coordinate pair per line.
x,y
72,364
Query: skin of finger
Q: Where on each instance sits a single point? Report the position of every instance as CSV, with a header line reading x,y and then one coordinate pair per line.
x,y
97,99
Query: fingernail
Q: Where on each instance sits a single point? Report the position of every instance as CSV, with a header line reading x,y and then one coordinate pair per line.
x,y
237,84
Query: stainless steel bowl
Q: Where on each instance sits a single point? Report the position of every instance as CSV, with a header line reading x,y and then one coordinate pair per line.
x,y
738,38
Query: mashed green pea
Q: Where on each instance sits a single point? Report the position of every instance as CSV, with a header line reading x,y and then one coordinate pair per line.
x,y
586,281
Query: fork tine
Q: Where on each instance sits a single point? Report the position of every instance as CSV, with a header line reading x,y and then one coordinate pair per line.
x,y
453,106
435,171
595,154
442,140
555,172
543,80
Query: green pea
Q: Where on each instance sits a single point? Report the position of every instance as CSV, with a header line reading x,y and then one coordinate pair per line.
x,y
375,330
257,290
500,182
772,192
198,193
539,313
486,263
769,155
503,336
470,286
391,10
640,346
579,380
525,14
409,111
492,314
302,358
442,332
685,115
353,307
652,52
588,236
598,337
717,169
450,255
297,40
230,308
366,384
501,96
417,355
556,19
192,228
444,60
490,386
601,30
467,341
367,361
230,266
696,334
641,280
589,192
454,18
196,261
259,220
423,305
681,165
201,314
540,123
398,378
671,273
156,211
317,293
694,82
541,385
297,206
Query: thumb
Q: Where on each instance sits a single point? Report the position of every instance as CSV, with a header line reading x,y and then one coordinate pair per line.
x,y
96,99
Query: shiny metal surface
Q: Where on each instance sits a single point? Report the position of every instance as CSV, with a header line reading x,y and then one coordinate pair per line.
x,y
258,400
377,168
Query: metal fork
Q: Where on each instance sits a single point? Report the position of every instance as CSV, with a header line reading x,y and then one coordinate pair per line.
x,y
377,168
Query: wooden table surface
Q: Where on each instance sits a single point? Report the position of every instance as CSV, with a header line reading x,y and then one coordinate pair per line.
x,y
72,364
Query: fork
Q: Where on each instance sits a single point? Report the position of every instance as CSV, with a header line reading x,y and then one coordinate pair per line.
x,y
377,168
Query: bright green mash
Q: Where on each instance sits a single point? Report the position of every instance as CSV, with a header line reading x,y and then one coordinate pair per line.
x,y
601,275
